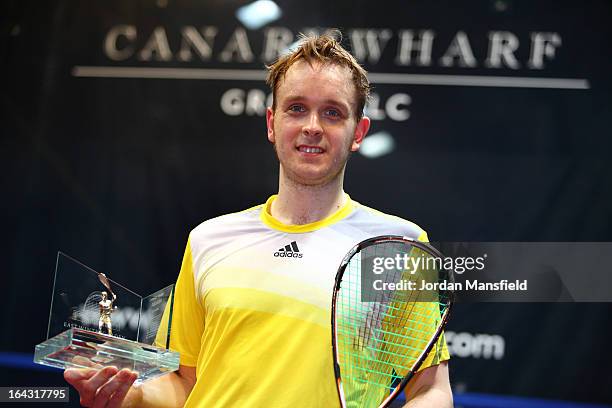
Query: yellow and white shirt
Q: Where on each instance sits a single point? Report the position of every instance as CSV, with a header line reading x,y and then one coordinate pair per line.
x,y
252,309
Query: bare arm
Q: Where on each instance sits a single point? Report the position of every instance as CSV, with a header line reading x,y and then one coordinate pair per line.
x,y
430,388
109,387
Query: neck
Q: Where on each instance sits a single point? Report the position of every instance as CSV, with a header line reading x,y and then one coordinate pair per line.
x,y
299,204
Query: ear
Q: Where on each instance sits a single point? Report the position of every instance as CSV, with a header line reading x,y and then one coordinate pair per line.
x,y
360,132
270,123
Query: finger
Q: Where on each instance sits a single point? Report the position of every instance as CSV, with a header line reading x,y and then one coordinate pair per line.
x,y
77,377
89,388
120,391
104,393
85,362
74,376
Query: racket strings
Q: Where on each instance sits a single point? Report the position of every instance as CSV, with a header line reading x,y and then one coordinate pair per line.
x,y
383,312
380,340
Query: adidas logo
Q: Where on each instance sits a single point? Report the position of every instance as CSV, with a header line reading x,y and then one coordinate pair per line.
x,y
289,251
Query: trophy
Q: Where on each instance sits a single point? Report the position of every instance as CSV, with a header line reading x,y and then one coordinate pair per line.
x,y
95,322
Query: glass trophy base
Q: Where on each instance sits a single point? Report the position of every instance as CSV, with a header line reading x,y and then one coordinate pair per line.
x,y
78,348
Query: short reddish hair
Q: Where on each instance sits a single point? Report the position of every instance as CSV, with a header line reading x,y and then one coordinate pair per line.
x,y
325,49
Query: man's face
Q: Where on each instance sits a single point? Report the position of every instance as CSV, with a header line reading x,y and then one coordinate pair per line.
x,y
314,127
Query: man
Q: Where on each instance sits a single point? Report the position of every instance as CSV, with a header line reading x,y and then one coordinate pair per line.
x,y
252,304
106,309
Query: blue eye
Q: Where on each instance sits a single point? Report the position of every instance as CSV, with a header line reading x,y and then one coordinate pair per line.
x,y
332,112
296,108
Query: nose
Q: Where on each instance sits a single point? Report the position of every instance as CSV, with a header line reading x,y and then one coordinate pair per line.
x,y
312,127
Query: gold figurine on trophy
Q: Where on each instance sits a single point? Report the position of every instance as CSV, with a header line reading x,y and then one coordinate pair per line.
x,y
106,307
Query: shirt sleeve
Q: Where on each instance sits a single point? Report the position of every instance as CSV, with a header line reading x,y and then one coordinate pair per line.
x,y
439,352
185,314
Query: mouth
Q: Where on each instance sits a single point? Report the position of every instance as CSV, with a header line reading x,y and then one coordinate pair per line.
x,y
310,149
